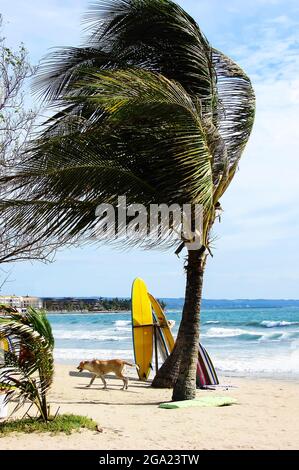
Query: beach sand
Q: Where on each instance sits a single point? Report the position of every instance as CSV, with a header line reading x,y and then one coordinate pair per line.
x,y
266,417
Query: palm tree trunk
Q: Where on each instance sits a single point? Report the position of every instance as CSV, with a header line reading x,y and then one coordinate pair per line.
x,y
179,370
43,398
44,406
185,385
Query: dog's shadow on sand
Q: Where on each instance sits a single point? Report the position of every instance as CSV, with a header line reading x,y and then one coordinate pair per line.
x,y
108,389
133,383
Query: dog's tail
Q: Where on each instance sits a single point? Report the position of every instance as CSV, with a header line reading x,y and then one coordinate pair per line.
x,y
131,365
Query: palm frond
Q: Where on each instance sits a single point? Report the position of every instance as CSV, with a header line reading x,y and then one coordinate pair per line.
x,y
147,109
157,35
28,370
154,35
61,68
165,130
151,147
235,111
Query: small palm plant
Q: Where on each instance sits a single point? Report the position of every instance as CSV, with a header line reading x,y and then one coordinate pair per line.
x,y
27,372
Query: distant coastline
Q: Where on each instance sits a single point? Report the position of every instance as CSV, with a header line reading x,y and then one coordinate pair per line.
x,y
88,305
87,312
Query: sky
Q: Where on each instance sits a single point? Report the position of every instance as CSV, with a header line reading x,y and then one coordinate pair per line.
x,y
255,254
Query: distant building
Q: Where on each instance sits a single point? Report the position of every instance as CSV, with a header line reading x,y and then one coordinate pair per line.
x,y
11,301
30,301
21,303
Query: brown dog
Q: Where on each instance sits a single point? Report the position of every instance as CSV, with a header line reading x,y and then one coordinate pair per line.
x,y
100,368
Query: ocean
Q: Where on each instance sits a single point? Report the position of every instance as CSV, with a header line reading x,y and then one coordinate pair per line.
x,y
242,342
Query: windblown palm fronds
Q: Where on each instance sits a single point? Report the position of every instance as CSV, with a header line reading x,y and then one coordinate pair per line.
x,y
147,109
27,372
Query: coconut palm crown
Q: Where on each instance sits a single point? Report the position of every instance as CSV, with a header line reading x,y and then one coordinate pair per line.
x,y
146,108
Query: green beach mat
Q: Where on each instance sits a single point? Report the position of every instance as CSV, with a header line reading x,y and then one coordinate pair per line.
x,y
200,402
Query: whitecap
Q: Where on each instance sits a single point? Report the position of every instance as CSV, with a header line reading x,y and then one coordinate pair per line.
x,y
274,365
276,324
122,322
99,335
228,332
76,354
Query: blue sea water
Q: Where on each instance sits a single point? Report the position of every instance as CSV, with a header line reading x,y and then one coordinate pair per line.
x,y
260,342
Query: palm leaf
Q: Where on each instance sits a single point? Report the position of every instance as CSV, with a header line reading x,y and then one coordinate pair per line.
x,y
146,108
29,377
154,35
61,68
234,114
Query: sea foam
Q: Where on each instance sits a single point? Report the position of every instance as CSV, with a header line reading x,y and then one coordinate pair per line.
x,y
74,354
98,335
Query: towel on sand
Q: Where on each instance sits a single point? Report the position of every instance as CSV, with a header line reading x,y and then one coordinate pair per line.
x,y
200,402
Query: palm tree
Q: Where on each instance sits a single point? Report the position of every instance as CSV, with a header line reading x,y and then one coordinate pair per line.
x,y
28,371
147,109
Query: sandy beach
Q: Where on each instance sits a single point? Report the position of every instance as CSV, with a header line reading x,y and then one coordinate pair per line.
x,y
266,417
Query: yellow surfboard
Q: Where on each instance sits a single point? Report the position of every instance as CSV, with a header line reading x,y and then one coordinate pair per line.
x,y
4,347
142,322
4,344
162,322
